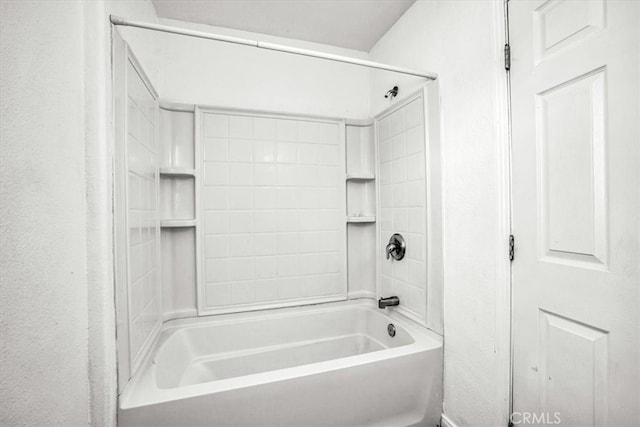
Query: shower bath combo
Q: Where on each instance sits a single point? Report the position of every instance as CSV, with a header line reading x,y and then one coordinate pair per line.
x,y
302,254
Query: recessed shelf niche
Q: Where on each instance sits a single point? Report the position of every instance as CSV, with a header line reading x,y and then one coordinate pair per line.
x,y
360,181
361,199
177,167
177,200
360,152
178,209
360,176
176,140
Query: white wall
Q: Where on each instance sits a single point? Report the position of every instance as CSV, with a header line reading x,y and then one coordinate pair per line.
x,y
461,41
57,353
43,314
221,74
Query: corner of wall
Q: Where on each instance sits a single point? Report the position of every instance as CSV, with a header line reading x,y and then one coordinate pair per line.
x,y
99,238
145,44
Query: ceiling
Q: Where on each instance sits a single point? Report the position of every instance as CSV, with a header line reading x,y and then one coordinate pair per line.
x,y
352,24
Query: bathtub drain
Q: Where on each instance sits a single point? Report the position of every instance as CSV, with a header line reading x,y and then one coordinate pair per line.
x,y
391,329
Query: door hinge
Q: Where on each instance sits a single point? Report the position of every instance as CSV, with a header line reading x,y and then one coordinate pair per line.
x,y
507,57
512,247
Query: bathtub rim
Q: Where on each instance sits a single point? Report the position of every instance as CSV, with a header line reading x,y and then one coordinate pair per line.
x,y
142,389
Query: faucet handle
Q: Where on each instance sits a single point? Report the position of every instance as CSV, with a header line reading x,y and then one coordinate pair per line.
x,y
391,247
396,247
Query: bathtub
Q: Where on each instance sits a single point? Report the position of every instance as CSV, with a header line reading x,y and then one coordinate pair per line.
x,y
331,364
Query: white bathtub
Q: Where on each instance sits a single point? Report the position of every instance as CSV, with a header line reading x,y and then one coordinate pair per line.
x,y
332,365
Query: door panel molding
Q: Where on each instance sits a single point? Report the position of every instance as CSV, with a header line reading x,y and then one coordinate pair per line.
x,y
550,36
561,338
572,179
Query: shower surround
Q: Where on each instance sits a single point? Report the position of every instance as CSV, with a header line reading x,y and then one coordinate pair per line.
x,y
249,210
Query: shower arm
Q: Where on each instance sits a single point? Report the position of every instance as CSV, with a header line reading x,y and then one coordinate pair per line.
x,y
119,21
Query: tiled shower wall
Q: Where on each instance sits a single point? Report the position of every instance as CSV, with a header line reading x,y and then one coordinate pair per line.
x,y
142,213
401,156
273,203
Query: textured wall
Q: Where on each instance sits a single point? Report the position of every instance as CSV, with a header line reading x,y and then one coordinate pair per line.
x,y
57,353
460,41
43,312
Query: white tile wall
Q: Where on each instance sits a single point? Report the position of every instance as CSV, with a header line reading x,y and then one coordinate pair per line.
x,y
401,153
142,211
273,211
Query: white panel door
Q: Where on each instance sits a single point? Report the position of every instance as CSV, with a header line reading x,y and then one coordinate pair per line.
x,y
576,163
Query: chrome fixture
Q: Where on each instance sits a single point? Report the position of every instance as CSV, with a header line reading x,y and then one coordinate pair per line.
x,y
388,302
396,247
392,93
391,330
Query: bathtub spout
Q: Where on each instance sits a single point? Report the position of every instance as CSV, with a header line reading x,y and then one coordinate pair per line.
x,y
388,302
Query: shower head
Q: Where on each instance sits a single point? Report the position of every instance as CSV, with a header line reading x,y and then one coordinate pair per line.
x,y
392,93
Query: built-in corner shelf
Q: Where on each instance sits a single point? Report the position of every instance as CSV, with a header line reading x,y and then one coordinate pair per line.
x,y
177,223
361,177
361,219
177,172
